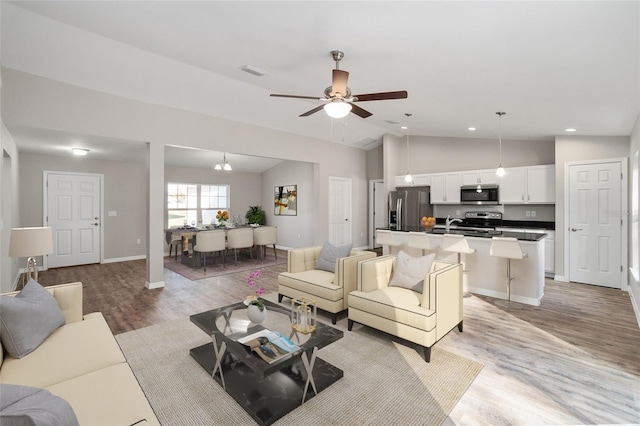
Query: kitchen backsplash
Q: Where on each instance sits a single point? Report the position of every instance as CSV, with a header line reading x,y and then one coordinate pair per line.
x,y
543,212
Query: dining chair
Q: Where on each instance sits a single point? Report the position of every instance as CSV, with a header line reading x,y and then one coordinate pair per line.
x,y
264,236
238,239
207,242
173,239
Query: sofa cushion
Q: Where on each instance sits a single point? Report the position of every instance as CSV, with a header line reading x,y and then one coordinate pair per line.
x,y
27,319
409,272
329,254
28,406
314,282
110,395
396,304
74,349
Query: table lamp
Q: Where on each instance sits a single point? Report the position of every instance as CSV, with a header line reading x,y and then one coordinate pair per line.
x,y
30,242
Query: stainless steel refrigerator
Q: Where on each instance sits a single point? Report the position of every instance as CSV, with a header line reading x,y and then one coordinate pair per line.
x,y
407,206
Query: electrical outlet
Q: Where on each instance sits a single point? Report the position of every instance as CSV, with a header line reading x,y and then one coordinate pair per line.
x,y
138,241
362,234
528,213
298,236
533,213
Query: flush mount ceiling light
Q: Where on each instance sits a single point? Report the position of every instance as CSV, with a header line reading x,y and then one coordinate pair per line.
x,y
570,129
500,169
337,109
79,151
408,178
471,129
224,165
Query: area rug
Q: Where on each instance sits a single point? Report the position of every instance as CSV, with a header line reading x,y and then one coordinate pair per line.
x,y
384,383
245,263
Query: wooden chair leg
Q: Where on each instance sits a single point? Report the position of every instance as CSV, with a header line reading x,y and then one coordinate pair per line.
x,y
275,253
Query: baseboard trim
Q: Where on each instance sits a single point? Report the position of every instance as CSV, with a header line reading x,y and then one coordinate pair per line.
x,y
151,286
124,259
636,308
561,278
503,296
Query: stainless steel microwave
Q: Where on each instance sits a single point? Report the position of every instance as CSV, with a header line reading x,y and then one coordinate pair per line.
x,y
479,194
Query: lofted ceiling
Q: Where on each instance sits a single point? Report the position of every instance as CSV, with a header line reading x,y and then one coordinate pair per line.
x,y
550,65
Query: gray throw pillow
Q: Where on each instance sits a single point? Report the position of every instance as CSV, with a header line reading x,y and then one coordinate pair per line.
x,y
409,272
27,406
329,254
27,319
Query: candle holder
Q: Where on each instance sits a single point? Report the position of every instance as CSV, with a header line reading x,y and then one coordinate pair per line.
x,y
304,314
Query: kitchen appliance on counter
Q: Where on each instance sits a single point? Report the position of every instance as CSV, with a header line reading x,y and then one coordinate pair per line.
x,y
408,205
479,194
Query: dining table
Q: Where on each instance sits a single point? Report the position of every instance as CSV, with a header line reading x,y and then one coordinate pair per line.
x,y
189,236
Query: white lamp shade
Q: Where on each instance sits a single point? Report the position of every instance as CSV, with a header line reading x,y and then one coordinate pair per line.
x,y
337,109
28,242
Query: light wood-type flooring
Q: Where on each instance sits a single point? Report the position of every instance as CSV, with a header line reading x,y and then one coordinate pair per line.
x,y
575,359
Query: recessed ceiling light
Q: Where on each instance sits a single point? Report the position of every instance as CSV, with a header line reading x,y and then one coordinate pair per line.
x,y
570,129
79,151
471,129
404,127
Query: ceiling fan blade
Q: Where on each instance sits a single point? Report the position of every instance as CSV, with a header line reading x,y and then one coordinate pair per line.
x,y
339,82
381,96
359,111
296,96
313,111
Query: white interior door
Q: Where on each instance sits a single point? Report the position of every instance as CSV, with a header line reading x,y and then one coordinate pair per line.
x,y
339,210
73,203
595,225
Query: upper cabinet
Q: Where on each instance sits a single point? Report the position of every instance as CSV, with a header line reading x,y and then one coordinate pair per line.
x,y
476,177
533,184
445,188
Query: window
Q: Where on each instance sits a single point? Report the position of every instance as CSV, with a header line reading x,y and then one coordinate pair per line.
x,y
190,203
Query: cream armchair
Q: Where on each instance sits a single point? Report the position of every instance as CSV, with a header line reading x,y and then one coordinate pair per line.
x,y
328,289
419,318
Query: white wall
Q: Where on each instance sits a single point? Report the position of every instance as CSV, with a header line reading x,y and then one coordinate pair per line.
x,y
39,102
9,209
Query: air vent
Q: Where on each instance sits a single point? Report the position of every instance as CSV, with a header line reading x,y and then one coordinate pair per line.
x,y
253,70
392,122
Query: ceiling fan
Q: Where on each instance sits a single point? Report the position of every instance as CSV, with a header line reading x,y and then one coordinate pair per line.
x,y
338,98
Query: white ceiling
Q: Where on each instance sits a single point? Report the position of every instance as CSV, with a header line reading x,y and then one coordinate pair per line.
x,y
550,65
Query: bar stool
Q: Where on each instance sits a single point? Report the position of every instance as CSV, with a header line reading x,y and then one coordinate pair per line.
x,y
419,240
454,243
509,248
385,237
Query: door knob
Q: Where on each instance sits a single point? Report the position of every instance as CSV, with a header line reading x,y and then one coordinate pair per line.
x,y
95,224
576,229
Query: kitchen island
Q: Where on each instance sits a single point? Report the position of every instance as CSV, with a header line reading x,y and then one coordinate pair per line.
x,y
486,274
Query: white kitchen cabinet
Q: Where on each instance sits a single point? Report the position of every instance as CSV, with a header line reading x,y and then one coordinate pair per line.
x,y
528,185
476,177
445,188
418,180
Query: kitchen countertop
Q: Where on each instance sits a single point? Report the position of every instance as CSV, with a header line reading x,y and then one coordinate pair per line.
x,y
522,236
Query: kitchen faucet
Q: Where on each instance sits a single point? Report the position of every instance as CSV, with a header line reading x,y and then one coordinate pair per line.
x,y
449,221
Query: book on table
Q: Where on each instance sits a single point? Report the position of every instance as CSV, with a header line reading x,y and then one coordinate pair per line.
x,y
270,345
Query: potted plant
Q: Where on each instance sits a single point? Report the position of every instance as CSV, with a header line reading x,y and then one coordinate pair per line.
x,y
256,214
256,311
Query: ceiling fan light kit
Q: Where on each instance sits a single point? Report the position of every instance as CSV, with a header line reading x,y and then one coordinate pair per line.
x,y
338,96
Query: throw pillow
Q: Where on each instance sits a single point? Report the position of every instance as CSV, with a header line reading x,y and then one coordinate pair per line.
x,y
409,272
24,405
27,319
329,254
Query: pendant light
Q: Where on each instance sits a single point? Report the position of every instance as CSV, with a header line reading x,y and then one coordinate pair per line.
x,y
224,165
408,178
500,169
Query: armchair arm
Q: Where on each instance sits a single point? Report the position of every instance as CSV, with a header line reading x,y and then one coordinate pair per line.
x,y
347,270
443,294
375,274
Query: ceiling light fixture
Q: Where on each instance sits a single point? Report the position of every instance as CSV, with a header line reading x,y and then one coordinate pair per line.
x,y
471,129
337,109
500,169
570,129
224,165
79,151
408,178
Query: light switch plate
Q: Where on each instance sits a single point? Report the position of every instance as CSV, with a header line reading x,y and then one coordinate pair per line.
x,y
112,213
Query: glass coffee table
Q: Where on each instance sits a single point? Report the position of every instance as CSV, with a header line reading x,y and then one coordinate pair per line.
x,y
267,391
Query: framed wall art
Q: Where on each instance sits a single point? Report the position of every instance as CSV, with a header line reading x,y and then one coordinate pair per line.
x,y
286,200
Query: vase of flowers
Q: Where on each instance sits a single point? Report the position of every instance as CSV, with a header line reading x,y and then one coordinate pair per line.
x,y
223,217
256,311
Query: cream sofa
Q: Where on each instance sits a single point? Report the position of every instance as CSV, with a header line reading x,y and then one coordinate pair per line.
x,y
82,363
328,289
419,318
